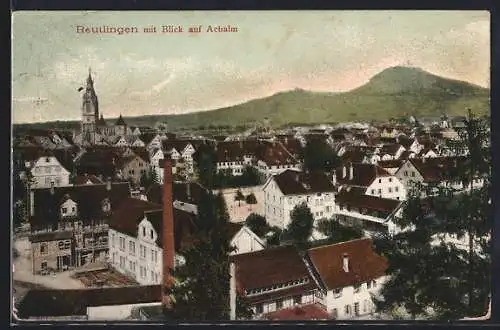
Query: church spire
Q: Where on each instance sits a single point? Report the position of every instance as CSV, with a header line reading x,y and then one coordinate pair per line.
x,y
90,82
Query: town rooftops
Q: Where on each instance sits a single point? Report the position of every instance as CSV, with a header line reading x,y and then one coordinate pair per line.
x,y
363,263
439,168
269,267
56,303
393,163
51,236
131,212
363,174
292,182
89,198
361,201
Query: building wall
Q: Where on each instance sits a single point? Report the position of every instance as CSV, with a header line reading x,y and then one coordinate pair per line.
x,y
278,207
245,242
47,170
50,256
387,187
129,260
337,304
135,169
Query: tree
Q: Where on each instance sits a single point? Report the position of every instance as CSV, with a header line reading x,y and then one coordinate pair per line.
x,y
337,232
429,276
257,224
251,199
239,197
206,161
319,156
300,228
201,289
19,213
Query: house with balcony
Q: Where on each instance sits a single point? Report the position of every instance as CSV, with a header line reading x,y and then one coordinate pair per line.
x,y
284,191
82,211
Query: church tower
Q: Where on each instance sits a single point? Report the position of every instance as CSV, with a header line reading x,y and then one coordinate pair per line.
x,y
90,112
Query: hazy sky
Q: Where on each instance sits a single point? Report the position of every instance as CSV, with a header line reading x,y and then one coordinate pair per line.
x,y
159,73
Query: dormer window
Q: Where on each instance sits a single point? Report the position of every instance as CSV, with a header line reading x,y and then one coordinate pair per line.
x,y
106,205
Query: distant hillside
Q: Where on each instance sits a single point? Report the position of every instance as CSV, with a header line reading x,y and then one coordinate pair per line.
x,y
394,92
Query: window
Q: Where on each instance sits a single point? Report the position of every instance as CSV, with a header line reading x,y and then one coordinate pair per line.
x,y
279,304
412,174
327,209
43,265
122,243
67,244
335,313
347,310
152,276
365,306
373,191
356,309
64,210
379,180
113,240
380,191
151,233
144,231
357,288
131,265
61,245
43,248
122,262
390,189
390,179
297,299
337,293
156,277
143,251
396,189
259,309
131,248
368,285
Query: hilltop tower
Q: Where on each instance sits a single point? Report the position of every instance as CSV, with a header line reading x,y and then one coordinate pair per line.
x,y
90,112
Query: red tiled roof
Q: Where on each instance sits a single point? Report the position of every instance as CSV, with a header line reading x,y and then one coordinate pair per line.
x,y
298,313
268,267
364,263
361,201
274,153
438,168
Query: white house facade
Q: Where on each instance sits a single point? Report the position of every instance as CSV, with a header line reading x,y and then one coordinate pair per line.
x,y
48,171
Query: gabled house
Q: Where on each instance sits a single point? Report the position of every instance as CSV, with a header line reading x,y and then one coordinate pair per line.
x,y
334,281
81,210
350,274
290,188
133,168
244,240
135,236
47,171
375,180
390,151
441,171
134,141
273,158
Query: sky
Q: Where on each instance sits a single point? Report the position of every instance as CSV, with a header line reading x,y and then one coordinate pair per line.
x,y
173,73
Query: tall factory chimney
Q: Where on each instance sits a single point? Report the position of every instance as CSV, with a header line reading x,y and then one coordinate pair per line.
x,y
168,232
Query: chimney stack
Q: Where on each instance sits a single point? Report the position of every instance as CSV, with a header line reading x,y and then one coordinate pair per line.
x,y
345,263
168,232
232,291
